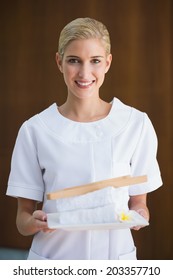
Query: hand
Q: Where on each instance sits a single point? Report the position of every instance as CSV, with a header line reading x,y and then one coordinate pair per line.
x,y
30,221
40,220
138,203
144,213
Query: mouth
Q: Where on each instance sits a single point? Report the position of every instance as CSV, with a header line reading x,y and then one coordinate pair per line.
x,y
84,84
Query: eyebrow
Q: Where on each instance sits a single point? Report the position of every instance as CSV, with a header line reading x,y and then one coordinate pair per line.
x,y
75,56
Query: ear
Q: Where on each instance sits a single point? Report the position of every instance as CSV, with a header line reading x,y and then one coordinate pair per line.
x,y
59,61
108,62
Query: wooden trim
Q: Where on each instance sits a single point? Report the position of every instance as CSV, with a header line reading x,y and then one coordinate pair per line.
x,y
83,189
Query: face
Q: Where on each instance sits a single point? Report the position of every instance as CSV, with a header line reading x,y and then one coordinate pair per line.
x,y
84,65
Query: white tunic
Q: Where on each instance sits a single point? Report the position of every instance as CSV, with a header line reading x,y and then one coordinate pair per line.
x,y
53,152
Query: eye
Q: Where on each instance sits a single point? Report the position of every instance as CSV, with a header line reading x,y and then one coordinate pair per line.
x,y
95,61
73,60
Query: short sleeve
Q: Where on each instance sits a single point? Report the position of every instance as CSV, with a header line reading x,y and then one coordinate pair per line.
x,y
144,160
25,179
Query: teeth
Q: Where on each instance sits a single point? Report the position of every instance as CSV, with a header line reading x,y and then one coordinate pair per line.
x,y
84,83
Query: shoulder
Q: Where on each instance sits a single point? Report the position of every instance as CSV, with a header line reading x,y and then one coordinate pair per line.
x,y
41,117
120,106
132,114
36,124
134,120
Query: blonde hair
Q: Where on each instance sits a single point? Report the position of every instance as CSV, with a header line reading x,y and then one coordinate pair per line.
x,y
83,28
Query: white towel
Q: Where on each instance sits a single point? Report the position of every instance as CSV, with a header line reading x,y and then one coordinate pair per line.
x,y
109,195
99,215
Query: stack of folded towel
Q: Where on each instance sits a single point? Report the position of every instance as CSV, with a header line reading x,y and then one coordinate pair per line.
x,y
107,205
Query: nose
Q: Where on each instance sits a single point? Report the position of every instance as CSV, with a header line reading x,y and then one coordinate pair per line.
x,y
84,70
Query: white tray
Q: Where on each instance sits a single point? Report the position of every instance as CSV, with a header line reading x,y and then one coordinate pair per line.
x,y
137,220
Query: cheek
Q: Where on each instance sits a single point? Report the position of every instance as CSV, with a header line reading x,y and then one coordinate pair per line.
x,y
67,74
101,70
101,73
70,72
101,77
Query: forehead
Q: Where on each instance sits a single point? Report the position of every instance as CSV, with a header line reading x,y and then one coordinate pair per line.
x,y
83,47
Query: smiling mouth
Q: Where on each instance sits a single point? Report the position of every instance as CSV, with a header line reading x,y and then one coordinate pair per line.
x,y
84,84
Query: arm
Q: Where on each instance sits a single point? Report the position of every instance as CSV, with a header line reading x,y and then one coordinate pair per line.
x,y
138,203
29,220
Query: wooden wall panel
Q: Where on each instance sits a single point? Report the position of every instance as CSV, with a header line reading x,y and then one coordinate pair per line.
x,y
141,75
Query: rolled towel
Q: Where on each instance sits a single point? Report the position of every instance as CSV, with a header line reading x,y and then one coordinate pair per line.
x,y
99,215
109,195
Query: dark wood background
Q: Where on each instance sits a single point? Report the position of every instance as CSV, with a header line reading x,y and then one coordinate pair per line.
x,y
141,75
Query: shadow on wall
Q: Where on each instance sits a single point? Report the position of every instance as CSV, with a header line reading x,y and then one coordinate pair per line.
x,y
12,254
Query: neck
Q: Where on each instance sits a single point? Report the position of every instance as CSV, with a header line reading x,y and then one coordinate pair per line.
x,y
84,110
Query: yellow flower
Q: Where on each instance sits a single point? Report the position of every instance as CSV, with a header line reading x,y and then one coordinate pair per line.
x,y
124,217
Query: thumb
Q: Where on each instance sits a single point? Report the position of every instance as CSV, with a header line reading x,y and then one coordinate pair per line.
x,y
40,215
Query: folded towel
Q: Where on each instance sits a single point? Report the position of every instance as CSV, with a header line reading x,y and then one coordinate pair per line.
x,y
99,215
109,195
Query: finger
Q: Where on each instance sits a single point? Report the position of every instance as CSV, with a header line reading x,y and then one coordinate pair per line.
x,y
40,225
143,213
48,230
40,215
136,228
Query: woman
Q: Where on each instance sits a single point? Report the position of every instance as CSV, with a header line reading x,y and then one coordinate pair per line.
x,y
84,140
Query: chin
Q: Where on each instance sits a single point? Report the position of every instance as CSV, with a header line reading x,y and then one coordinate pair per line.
x,y
84,95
